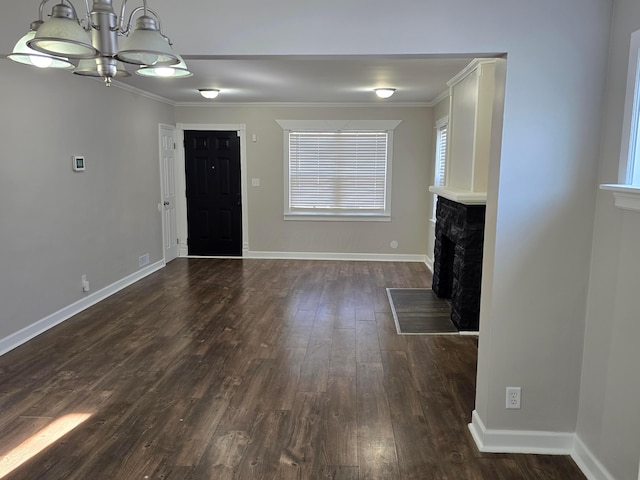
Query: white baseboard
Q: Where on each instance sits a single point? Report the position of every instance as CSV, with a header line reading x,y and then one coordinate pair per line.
x,y
372,257
547,443
588,463
429,263
21,336
519,441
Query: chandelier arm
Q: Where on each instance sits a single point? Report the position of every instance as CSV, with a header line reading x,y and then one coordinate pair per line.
x,y
41,11
125,31
88,10
121,19
72,8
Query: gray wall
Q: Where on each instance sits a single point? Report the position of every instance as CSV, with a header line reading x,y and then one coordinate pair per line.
x,y
268,232
608,420
55,224
540,216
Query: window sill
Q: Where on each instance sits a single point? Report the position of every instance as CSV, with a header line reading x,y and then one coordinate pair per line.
x,y
627,197
332,217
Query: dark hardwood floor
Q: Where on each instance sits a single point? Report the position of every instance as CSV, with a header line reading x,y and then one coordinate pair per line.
x,y
251,369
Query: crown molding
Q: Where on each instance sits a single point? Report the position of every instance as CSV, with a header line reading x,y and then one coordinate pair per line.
x,y
469,69
303,104
444,95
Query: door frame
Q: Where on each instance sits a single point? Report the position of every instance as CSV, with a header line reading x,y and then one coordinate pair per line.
x,y
162,126
181,178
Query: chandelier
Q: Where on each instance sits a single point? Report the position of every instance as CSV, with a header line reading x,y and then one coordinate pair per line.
x,y
93,42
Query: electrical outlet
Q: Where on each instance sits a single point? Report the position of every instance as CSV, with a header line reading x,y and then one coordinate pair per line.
x,y
513,397
143,260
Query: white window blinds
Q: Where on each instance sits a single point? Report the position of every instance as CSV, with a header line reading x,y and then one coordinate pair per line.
x,y
441,156
440,170
344,172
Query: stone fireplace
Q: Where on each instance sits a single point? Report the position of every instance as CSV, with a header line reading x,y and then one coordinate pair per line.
x,y
472,142
457,263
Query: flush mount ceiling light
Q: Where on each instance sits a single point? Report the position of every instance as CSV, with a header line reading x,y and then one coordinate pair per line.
x,y
384,92
64,36
209,92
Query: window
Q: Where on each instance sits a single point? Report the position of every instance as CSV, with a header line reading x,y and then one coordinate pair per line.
x,y
338,171
337,174
627,191
440,168
630,148
631,164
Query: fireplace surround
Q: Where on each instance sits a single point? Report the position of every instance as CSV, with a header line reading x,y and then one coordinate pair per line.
x,y
457,263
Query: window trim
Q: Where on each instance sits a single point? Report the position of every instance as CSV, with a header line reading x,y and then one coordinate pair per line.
x,y
626,193
333,126
630,134
440,123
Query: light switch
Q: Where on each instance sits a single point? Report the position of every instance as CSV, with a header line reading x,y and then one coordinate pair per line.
x,y
255,182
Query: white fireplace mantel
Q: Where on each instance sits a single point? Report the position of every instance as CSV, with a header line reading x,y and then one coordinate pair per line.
x,y
461,196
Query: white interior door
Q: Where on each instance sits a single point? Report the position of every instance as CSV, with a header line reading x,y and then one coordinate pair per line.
x,y
168,172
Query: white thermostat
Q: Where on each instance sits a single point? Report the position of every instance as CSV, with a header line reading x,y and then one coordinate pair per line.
x,y
78,163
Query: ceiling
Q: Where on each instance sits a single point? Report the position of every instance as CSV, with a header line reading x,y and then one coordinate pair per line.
x,y
307,79
252,78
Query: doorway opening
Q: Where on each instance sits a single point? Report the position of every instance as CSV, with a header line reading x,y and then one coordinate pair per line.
x,y
213,193
186,220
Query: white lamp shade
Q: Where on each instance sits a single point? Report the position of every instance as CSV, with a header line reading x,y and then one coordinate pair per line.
x,y
23,54
147,47
174,71
63,37
385,92
209,92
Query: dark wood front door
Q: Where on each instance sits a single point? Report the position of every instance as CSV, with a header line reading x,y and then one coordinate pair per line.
x,y
214,200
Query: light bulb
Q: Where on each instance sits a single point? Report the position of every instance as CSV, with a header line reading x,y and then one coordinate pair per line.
x,y
164,71
41,61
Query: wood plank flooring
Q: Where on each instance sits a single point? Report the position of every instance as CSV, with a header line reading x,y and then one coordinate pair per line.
x,y
252,369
